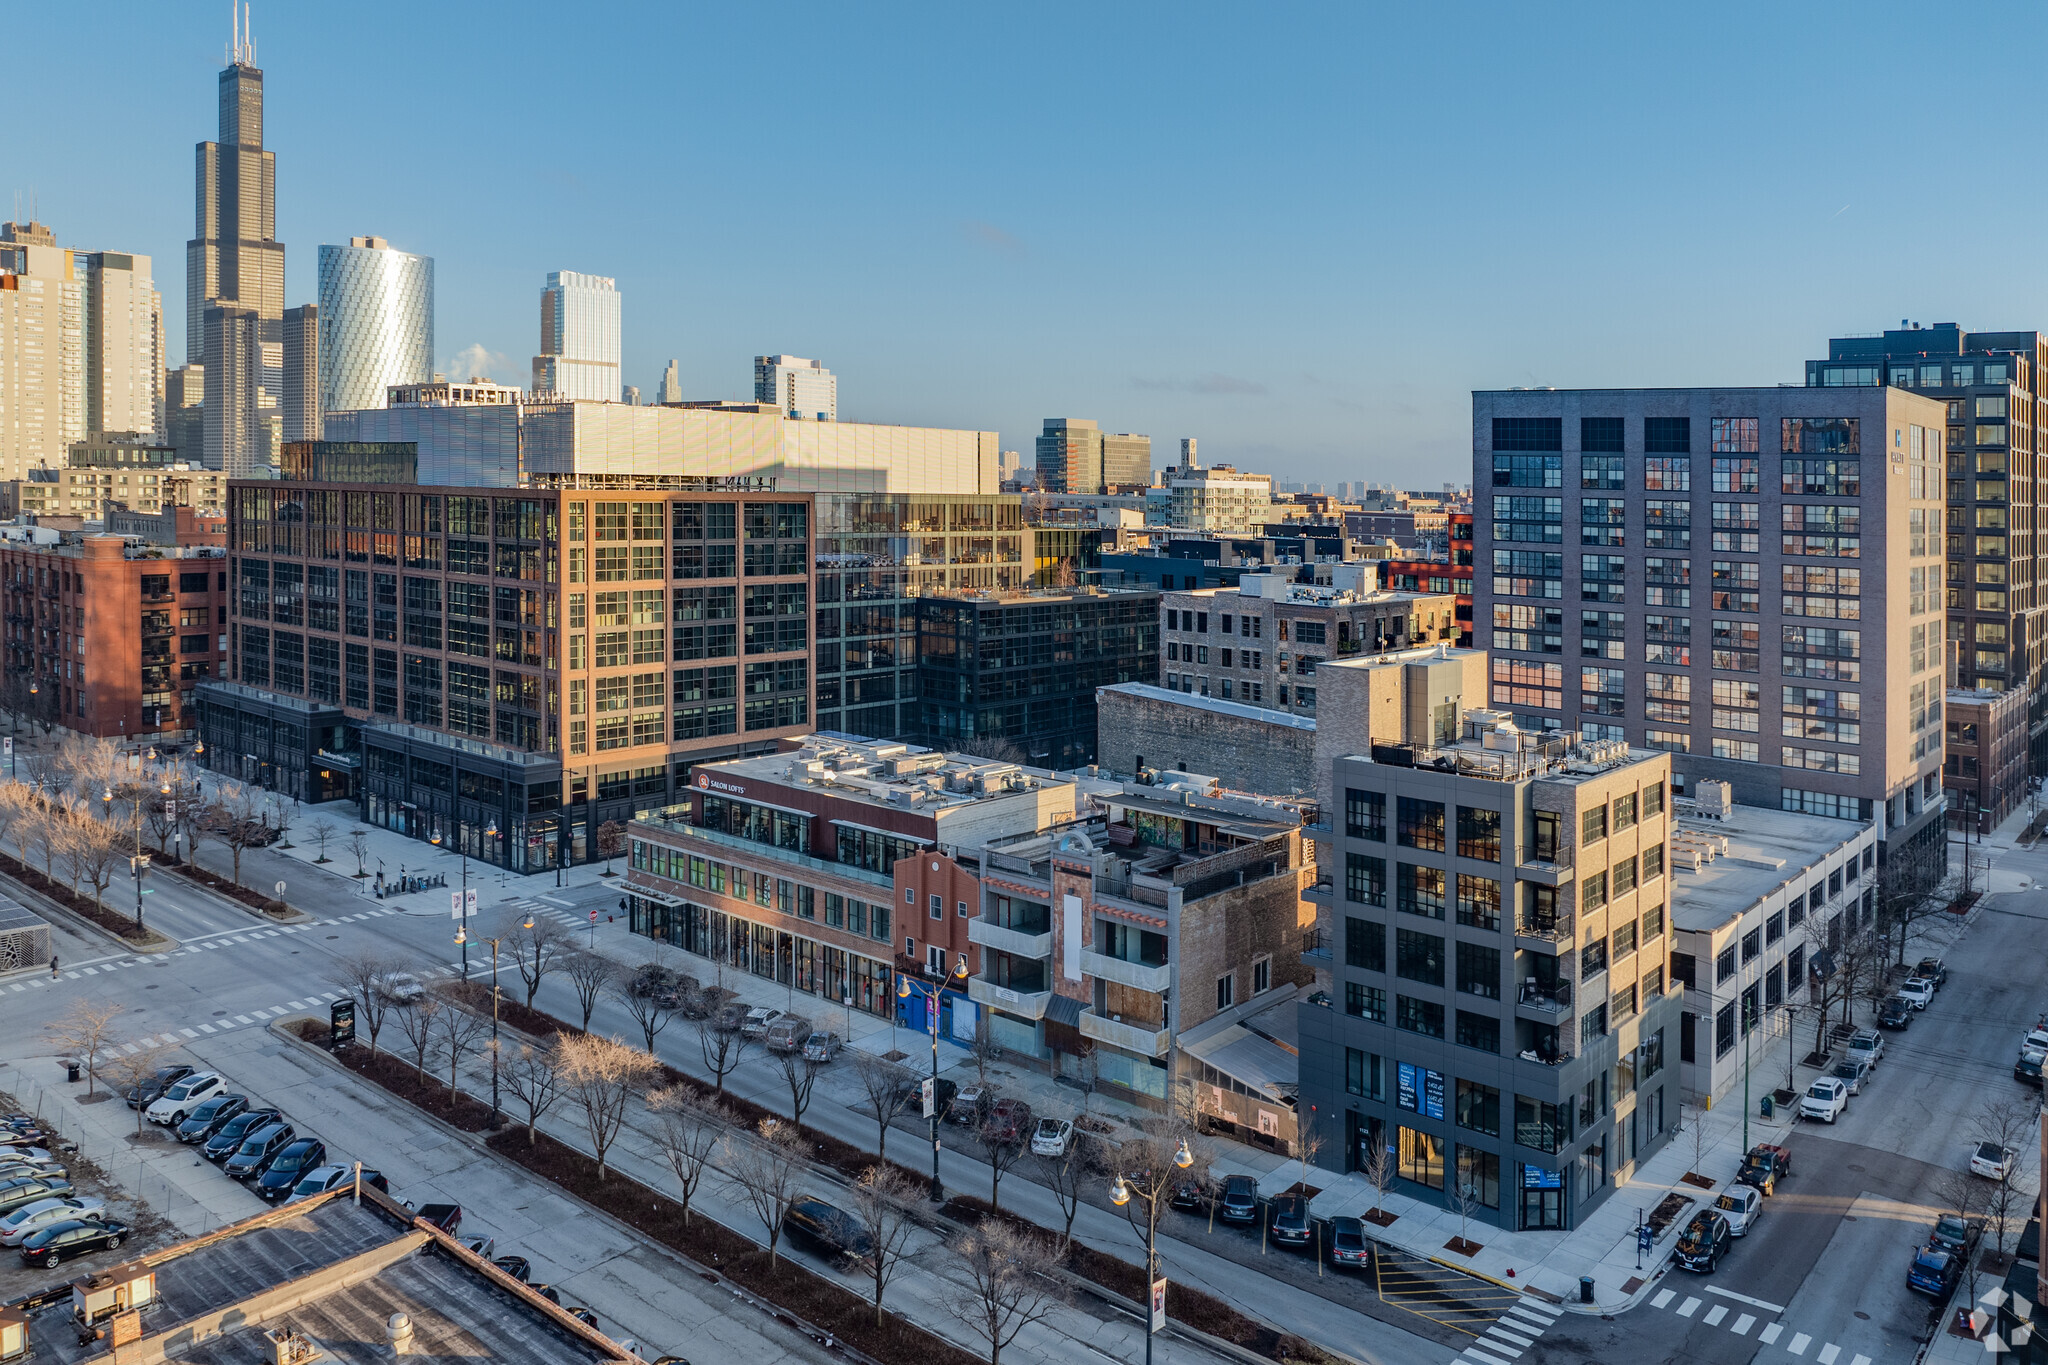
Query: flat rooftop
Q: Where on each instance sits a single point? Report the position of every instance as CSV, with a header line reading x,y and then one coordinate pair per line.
x,y
1215,706
1766,849
334,1272
882,773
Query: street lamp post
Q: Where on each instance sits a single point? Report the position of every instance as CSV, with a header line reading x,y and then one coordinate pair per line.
x,y
462,937
931,995
1151,1190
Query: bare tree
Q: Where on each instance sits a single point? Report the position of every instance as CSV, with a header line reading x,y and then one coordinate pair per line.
x,y
1692,1121
234,821
1064,1175
85,1031
323,831
1380,1170
92,766
611,842
537,945
2009,1124
58,812
94,851
358,843
199,821
419,1022
984,1051
1308,1145
362,977
647,1014
1461,1197
690,1130
1962,1194
887,1089
29,827
16,802
458,1034
534,1076
882,1203
589,974
723,1048
769,1167
282,812
1003,1144
599,1075
1006,1287
995,749
127,1070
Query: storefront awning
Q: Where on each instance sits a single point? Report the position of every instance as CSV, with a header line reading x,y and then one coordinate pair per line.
x,y
658,897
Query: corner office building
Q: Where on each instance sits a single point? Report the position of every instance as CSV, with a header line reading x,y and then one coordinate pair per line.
x,y
1749,579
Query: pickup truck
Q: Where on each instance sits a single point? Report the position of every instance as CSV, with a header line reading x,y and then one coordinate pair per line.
x,y
832,1232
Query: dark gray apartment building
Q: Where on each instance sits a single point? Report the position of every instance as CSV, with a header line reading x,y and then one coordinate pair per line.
x,y
1749,579
1991,384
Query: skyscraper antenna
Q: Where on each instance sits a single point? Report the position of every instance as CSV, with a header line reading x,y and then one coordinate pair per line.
x,y
247,41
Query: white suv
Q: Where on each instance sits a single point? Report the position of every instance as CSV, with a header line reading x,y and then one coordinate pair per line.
x,y
185,1096
1826,1098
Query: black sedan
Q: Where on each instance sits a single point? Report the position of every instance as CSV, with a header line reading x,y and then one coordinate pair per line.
x,y
287,1166
1895,1014
210,1117
228,1140
1290,1220
59,1242
146,1094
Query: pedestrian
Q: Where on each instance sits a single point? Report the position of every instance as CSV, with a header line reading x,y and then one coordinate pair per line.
x,y
53,966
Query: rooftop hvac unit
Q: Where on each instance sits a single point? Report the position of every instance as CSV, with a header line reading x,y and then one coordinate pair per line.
x,y
1716,800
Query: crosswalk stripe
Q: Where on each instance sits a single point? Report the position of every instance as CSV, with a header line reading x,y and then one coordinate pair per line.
x,y
1540,1308
1828,1353
1505,1352
1715,1314
1771,1333
206,1028
71,976
1797,1346
188,1033
91,971
1509,1337
1743,1324
296,1005
1664,1296
1517,1315
1860,1360
1688,1308
224,1024
243,1019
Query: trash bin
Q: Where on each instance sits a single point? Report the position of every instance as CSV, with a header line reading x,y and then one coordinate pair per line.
x,y
1585,1289
71,1071
1764,1106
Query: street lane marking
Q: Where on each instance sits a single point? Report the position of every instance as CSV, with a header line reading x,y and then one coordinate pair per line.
x,y
1743,1324
1799,1342
1510,1338
1664,1296
188,1033
1744,1298
90,971
1860,1360
131,1049
206,1028
1507,1352
1548,1312
243,1019
1771,1333
1689,1307
1715,1314
71,976
224,1024
296,1005
1828,1353
1521,1321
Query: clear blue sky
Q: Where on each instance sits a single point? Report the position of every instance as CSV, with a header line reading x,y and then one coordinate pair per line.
x,y
1301,234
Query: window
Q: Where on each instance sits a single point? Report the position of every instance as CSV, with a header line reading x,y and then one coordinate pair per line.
x,y
1540,1125
1623,878
1593,825
1592,959
1478,902
1593,892
1363,1074
1624,812
1752,945
1602,471
1479,834
938,907
1481,1031
1420,824
1419,1016
1421,891
1624,941
1365,879
1365,815
1365,1002
1601,434
1667,435
1419,957
1479,970
1653,923
1262,975
1365,944
1478,1108
1479,1175
1734,436
1226,990
1420,1155
1724,965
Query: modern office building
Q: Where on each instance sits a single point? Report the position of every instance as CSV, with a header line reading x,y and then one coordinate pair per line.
x,y
797,387
1748,579
127,468
1994,387
234,263
671,390
507,669
376,323
185,412
579,338
1985,765
115,637
1022,668
299,405
1076,456
1262,641
124,338
1219,499
1496,914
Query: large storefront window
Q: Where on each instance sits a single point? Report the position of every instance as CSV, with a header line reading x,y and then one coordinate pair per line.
x,y
1132,1073
832,974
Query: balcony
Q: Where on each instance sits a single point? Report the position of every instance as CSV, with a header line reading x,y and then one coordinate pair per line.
x,y
1023,1004
1145,1042
1544,1000
1322,892
989,934
1543,872
1139,975
1544,933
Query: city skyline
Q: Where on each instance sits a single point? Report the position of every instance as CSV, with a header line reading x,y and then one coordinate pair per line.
x,y
1341,348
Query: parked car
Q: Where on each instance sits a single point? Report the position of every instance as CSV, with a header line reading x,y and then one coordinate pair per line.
x,y
1932,969
1190,1192
757,1020
59,1242
1825,1099
210,1117
1290,1220
1992,1161
1704,1242
1741,1204
518,1267
2034,1040
731,1016
1780,1158
1917,991
1763,1167
147,1093
447,1217
229,1138
321,1179
28,1189
1953,1232
1895,1014
16,1226
788,1033
14,1168
822,1047
1052,1136
832,1232
181,1097
2027,1069
703,1002
1348,1246
1008,1122
1934,1272
651,978
910,1097
398,988
480,1247
253,1156
1851,1073
1240,1202
970,1106
1866,1045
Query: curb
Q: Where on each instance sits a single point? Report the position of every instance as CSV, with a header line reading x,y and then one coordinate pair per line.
x,y
43,905
293,915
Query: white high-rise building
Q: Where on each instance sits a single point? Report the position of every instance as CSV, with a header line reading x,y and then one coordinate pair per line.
x,y
376,322
671,390
801,388
579,338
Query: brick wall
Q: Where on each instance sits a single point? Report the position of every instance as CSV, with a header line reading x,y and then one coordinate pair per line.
x,y
1243,753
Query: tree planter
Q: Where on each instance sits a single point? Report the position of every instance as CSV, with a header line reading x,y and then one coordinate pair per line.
x,y
1380,1218
1458,1246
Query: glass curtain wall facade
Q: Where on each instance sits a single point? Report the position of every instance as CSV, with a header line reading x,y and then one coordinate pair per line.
x,y
376,322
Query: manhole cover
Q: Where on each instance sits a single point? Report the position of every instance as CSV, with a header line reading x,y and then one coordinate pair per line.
x,y
1863,1315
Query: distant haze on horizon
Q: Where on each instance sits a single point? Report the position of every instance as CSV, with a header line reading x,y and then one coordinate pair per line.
x,y
1303,242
